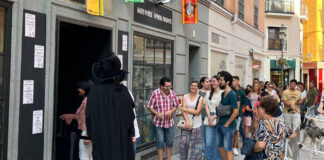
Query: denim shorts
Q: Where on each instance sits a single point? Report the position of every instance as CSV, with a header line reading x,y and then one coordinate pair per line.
x,y
164,135
224,137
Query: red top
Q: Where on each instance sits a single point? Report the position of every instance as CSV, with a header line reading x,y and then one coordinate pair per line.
x,y
162,104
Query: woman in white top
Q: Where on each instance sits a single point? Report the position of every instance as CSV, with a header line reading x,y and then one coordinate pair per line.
x,y
193,120
212,100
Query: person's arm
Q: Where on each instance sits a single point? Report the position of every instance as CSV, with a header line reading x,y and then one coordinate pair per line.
x,y
184,114
234,113
293,135
175,104
151,104
259,146
315,100
159,115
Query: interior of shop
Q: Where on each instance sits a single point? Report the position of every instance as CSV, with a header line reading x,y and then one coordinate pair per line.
x,y
78,48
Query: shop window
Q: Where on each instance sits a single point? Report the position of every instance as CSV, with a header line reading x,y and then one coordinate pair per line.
x,y
152,60
273,39
241,10
240,69
256,14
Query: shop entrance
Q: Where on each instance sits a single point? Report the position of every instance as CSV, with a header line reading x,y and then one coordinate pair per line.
x,y
194,63
77,48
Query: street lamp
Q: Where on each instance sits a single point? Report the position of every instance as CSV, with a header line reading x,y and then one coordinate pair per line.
x,y
282,37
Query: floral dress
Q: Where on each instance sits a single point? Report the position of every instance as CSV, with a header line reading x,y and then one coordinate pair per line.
x,y
274,132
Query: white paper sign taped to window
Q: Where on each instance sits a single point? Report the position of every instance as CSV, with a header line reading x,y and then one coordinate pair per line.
x,y
37,121
28,92
124,43
38,56
30,25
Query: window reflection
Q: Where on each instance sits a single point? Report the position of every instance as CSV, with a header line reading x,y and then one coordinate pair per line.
x,y
152,59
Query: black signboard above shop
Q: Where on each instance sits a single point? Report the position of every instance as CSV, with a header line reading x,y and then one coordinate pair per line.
x,y
153,15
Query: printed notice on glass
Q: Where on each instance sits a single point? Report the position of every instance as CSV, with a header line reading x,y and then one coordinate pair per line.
x,y
28,92
38,56
121,60
30,25
124,43
37,121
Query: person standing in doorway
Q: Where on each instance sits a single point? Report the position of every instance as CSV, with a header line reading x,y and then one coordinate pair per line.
x,y
162,104
292,99
239,124
85,146
191,111
109,114
226,125
204,86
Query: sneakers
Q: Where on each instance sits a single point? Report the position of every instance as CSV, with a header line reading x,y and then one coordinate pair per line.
x,y
235,152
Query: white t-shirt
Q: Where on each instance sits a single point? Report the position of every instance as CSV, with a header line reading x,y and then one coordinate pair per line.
x,y
215,100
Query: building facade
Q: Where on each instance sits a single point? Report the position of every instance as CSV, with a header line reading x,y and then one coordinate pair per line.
x,y
236,39
313,52
47,46
287,13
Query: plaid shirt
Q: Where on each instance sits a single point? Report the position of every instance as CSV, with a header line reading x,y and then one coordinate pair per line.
x,y
163,104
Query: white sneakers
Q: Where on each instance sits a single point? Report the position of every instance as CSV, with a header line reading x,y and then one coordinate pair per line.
x,y
235,152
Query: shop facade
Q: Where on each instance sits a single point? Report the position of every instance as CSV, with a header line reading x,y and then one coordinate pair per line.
x,y
149,38
236,44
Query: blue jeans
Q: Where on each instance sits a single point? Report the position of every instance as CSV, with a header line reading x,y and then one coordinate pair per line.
x,y
164,135
212,152
224,137
242,131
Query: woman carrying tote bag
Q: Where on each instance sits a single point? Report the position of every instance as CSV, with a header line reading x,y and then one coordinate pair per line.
x,y
212,100
192,136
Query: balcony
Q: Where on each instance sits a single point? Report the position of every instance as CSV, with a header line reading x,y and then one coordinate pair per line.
x,y
279,7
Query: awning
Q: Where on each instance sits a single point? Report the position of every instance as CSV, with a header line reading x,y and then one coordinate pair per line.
x,y
291,64
257,55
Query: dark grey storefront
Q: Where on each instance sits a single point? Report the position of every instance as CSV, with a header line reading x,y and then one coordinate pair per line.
x,y
5,34
151,47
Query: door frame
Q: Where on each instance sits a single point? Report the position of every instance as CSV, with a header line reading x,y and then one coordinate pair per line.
x,y
6,80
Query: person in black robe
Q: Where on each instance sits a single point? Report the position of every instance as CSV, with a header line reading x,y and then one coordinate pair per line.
x,y
109,112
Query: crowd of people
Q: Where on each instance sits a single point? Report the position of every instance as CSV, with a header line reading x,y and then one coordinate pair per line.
x,y
261,114
215,114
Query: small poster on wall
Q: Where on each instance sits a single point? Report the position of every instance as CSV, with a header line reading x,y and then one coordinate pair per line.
x,y
30,25
37,121
28,92
39,56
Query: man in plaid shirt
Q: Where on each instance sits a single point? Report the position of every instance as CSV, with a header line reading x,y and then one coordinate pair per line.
x,y
163,103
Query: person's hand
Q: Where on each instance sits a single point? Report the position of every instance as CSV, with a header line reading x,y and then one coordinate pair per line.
x,y
68,118
183,109
159,115
85,141
226,125
212,118
187,125
168,114
133,139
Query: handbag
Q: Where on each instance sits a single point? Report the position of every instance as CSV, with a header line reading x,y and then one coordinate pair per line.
x,y
224,110
182,122
207,124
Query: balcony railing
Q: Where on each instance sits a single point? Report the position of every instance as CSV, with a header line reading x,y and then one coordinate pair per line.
x,y
280,6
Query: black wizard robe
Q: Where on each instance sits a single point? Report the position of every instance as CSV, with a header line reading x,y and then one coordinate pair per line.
x,y
110,121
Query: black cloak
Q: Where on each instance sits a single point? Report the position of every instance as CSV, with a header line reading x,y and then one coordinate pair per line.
x,y
110,121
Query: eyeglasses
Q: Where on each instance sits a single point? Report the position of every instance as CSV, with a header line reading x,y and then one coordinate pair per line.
x,y
193,86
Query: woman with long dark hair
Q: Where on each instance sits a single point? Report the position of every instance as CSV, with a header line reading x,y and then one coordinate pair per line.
x,y
212,100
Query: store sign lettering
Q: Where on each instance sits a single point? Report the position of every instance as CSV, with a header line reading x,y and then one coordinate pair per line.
x,y
152,15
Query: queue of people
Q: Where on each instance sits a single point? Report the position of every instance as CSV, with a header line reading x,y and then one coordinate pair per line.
x,y
216,113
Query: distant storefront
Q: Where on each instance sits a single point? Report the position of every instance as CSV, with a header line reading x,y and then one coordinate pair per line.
x,y
289,72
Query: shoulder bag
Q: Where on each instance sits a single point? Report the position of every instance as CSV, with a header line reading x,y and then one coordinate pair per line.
x,y
182,122
224,110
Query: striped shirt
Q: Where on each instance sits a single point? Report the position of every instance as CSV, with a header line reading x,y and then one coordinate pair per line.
x,y
163,104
